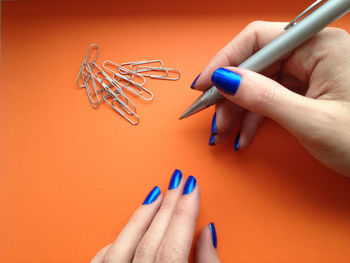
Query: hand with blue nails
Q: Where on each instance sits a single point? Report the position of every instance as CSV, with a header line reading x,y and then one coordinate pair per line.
x,y
162,229
307,91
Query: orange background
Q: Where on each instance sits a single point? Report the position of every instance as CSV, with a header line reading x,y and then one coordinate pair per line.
x,y
70,176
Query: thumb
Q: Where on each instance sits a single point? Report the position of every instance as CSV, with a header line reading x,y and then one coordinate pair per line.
x,y
262,95
206,245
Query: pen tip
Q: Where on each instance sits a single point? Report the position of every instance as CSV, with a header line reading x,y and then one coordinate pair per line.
x,y
200,104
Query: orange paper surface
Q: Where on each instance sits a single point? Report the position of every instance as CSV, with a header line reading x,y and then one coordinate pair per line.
x,y
71,176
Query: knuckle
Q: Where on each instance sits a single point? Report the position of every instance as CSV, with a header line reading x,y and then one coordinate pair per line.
x,y
251,32
182,212
330,43
137,218
264,97
331,36
168,204
170,252
146,247
255,25
108,259
223,54
338,31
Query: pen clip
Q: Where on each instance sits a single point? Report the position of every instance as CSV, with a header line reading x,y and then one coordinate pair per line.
x,y
312,6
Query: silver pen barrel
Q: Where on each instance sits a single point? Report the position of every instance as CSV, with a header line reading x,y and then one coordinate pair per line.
x,y
293,37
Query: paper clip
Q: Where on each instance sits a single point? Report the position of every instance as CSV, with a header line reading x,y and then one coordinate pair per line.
x,y
142,69
94,104
112,82
123,72
133,119
144,66
118,77
82,72
142,62
108,85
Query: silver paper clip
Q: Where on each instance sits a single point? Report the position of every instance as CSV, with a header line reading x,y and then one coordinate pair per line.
x,y
147,66
153,76
111,82
108,85
82,72
129,80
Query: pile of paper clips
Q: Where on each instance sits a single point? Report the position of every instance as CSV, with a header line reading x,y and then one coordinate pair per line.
x,y
113,82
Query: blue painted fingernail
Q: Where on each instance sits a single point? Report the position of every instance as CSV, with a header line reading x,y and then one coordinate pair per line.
x,y
194,82
237,142
226,80
152,196
189,185
214,128
213,234
175,179
213,131
212,140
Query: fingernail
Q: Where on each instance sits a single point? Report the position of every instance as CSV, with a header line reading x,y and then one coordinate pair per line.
x,y
212,140
175,179
152,196
213,131
189,185
237,142
213,234
214,128
194,82
226,80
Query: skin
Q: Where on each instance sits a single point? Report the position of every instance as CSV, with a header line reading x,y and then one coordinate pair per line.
x,y
307,92
162,232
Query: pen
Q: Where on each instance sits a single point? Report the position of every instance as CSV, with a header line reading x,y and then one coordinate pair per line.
x,y
324,12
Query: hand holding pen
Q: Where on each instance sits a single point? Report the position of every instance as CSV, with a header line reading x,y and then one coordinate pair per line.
x,y
306,91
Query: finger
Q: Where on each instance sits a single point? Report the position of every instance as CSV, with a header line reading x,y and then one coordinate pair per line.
x,y
177,241
249,126
227,114
148,246
123,248
101,254
319,60
223,122
255,36
206,245
221,138
265,96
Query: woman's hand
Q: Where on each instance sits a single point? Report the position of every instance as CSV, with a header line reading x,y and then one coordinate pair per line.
x,y
306,91
162,229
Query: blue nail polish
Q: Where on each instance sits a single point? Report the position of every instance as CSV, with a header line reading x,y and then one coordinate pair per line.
x,y
152,196
213,234
212,140
214,128
189,185
226,80
237,142
175,179
194,82
213,131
